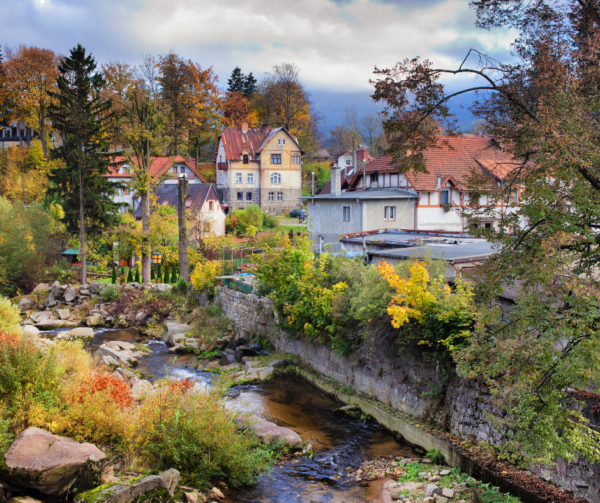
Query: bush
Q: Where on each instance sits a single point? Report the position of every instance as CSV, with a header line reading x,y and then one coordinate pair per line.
x,y
113,279
137,275
10,317
110,293
181,285
250,231
174,275
270,222
203,277
436,457
129,276
239,221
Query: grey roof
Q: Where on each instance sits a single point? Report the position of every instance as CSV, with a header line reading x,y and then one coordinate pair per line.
x,y
403,238
169,193
368,194
466,250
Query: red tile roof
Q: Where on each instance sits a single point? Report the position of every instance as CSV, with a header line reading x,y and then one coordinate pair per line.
x,y
253,141
457,160
158,167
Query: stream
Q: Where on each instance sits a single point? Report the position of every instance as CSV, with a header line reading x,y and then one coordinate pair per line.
x,y
339,441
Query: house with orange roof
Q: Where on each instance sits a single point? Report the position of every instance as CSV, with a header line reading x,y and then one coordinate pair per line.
x,y
164,169
377,197
260,166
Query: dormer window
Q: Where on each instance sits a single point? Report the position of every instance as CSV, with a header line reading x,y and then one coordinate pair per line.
x,y
245,158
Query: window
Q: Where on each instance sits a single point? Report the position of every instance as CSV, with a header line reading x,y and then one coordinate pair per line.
x,y
238,178
295,158
126,191
245,158
271,196
211,206
248,196
515,196
275,158
374,178
280,141
390,213
280,196
188,203
240,196
276,178
174,169
346,213
347,162
165,203
182,169
251,178
444,197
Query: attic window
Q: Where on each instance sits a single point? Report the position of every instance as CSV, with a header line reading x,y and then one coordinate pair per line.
x,y
245,158
445,197
280,141
165,203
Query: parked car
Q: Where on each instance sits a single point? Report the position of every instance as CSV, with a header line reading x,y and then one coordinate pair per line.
x,y
300,213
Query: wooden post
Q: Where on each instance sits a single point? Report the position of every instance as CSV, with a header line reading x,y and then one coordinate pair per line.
x,y
184,264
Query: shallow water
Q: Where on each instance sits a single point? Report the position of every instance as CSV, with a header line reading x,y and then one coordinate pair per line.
x,y
339,440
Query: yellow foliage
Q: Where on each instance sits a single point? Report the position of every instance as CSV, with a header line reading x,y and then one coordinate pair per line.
x,y
203,277
10,317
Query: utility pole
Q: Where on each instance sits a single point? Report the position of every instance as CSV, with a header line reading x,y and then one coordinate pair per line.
x,y
184,264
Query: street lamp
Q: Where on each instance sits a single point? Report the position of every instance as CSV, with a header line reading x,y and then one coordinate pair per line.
x,y
156,259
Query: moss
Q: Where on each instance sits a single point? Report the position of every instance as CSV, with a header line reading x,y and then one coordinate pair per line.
x,y
96,495
160,495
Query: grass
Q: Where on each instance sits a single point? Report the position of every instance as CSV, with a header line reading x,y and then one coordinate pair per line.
x,y
209,324
293,228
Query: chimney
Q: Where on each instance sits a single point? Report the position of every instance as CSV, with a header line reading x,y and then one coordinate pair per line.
x,y
266,128
244,127
362,154
336,181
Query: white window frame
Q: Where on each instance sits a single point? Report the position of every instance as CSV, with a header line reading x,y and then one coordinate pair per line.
x,y
280,196
346,218
250,178
295,158
276,178
390,213
276,156
271,196
347,162
280,141
238,178
449,192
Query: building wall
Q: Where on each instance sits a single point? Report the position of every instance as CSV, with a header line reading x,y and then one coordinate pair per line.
x,y
124,195
437,218
216,216
174,175
374,216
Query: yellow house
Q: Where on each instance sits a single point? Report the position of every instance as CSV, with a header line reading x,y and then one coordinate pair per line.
x,y
259,166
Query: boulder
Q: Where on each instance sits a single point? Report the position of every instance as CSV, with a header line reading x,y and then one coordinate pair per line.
x,y
172,327
227,359
120,345
30,331
95,320
215,493
23,499
122,358
173,339
161,287
141,317
140,387
62,314
97,287
70,294
57,291
41,316
48,463
448,493
82,333
440,499
270,432
431,490
109,361
129,288
41,287
152,489
264,373
52,324
279,364
242,351
237,342
26,304
86,292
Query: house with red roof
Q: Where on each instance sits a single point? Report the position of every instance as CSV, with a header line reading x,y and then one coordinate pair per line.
x,y
380,197
164,169
260,166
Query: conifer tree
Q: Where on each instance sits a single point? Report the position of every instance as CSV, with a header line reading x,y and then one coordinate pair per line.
x,y
166,276
249,86
114,275
81,117
159,274
137,275
174,275
129,276
151,273
236,82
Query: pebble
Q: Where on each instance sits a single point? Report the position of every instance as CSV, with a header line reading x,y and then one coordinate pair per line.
x,y
443,473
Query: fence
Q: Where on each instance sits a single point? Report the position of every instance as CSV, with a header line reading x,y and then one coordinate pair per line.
x,y
234,284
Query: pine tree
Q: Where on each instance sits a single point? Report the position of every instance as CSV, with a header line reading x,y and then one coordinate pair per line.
x,y
159,274
114,275
81,117
129,276
237,81
151,273
249,86
166,275
137,275
174,276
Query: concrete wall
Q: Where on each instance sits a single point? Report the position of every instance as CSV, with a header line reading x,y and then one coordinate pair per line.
x,y
406,381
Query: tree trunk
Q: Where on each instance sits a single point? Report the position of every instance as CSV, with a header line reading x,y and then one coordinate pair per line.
x,y
43,130
82,252
146,252
184,264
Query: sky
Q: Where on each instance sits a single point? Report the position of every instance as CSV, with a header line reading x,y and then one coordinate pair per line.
x,y
335,43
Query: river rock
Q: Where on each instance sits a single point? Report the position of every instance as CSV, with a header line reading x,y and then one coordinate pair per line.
x,y
172,327
438,498
41,287
173,339
120,345
23,499
122,358
215,493
227,359
95,320
264,373
47,463
82,333
141,317
270,432
30,331
52,324
447,492
25,304
242,351
152,489
278,364
70,294
62,314
41,316
432,490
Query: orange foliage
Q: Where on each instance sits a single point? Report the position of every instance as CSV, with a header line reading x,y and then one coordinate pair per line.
x,y
118,390
181,386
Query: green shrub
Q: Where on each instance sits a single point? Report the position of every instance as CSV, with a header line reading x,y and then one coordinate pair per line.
x,y
10,317
182,285
129,276
240,220
174,275
110,293
159,274
270,222
151,273
436,457
167,275
114,275
137,275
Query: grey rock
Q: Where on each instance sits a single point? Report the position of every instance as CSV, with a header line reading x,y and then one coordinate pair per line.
x,y
82,333
95,320
227,359
23,499
432,490
70,294
443,473
155,489
270,432
62,314
121,357
161,287
120,345
85,292
173,339
40,316
141,317
30,331
448,493
109,361
440,499
172,327
25,304
129,288
429,499
41,287
58,292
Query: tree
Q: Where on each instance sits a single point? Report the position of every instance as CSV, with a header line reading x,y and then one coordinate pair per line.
x,y
235,83
30,75
249,86
237,110
353,137
372,132
81,117
542,110
338,136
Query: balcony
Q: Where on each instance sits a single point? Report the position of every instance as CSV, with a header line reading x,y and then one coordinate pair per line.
x,y
222,166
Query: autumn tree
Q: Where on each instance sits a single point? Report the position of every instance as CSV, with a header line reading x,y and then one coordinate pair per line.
x,y
30,76
80,115
371,130
237,110
542,109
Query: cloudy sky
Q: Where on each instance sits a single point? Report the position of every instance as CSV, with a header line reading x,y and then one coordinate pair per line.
x,y
336,43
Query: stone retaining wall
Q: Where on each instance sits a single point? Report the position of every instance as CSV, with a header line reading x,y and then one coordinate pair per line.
x,y
406,382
